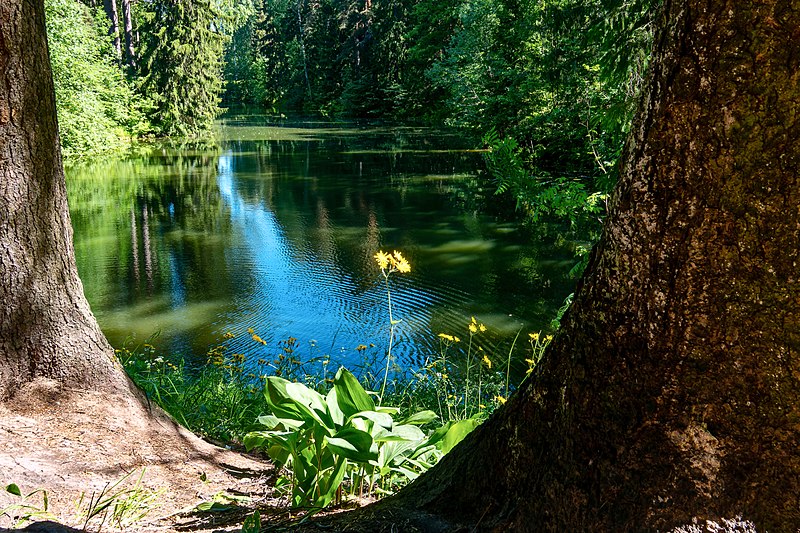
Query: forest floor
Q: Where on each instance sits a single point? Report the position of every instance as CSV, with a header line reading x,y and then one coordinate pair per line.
x,y
88,450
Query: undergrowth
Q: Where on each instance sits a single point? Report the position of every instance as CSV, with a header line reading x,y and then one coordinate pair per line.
x,y
331,432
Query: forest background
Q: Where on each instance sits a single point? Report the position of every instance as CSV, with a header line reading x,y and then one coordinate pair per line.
x,y
549,86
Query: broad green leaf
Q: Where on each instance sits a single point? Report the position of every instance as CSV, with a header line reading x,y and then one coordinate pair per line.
x,y
272,422
421,418
353,444
254,439
14,489
252,524
405,432
311,403
329,483
382,420
279,454
393,452
439,433
280,403
333,408
409,474
214,507
350,394
456,433
423,449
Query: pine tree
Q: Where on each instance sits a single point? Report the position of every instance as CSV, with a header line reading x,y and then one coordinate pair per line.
x,y
181,64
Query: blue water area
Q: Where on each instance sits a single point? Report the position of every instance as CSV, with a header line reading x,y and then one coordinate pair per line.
x,y
274,227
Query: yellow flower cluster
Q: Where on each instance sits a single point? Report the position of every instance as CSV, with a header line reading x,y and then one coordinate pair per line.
x,y
394,262
449,338
474,326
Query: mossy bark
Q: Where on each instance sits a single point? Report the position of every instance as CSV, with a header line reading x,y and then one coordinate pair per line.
x,y
672,391
46,327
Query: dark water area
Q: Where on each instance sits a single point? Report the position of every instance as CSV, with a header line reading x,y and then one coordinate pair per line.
x,y
276,229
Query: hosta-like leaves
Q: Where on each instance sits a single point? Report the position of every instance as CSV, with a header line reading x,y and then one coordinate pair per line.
x,y
351,396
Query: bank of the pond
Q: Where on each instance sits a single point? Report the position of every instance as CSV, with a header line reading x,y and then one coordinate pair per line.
x,y
223,399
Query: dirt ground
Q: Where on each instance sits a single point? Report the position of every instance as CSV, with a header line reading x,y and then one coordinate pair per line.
x,y
75,443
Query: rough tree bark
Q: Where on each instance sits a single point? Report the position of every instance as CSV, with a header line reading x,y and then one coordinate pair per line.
x,y
672,391
130,52
70,419
46,327
113,30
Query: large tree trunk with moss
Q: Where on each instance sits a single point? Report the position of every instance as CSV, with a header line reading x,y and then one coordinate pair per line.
x,y
672,391
46,327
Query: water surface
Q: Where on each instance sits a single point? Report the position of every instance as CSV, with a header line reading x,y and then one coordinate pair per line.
x,y
275,229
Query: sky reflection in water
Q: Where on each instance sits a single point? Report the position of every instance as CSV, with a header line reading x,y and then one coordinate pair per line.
x,y
276,230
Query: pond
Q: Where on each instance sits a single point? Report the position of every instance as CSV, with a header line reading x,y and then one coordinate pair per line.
x,y
275,229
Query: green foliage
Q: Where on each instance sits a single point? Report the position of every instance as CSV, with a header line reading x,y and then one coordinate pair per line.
x,y
25,510
116,504
323,439
218,401
181,63
98,111
561,77
541,195
252,524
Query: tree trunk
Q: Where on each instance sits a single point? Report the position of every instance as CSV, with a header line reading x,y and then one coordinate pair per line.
x,y
113,30
672,391
130,52
46,327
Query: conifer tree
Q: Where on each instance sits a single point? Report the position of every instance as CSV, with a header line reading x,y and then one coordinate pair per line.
x,y
181,64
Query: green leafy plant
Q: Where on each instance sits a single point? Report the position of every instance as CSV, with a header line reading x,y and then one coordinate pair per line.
x,y
252,524
24,511
323,440
222,502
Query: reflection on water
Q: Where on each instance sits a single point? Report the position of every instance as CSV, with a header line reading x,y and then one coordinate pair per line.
x,y
276,230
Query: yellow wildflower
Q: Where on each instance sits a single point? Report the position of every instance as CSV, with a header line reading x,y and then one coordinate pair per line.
x,y
548,338
401,263
481,406
250,331
456,339
394,262
361,347
534,336
482,328
228,335
500,399
382,259
473,328
487,361
446,337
